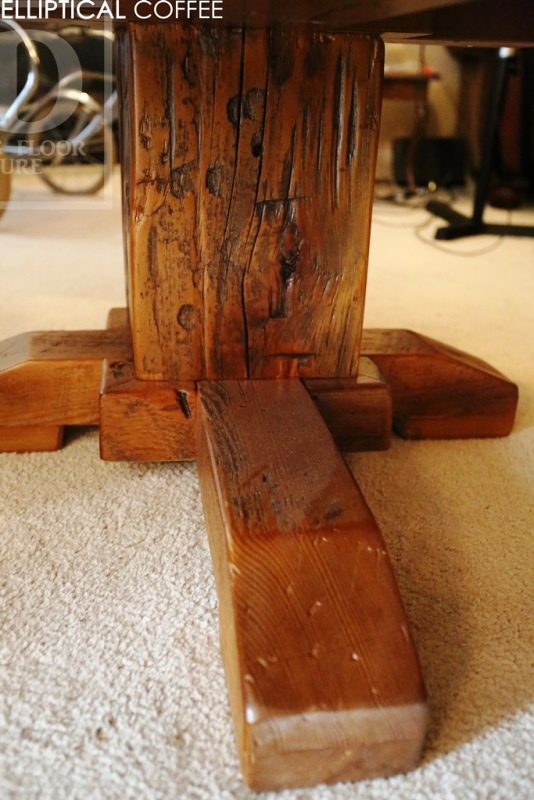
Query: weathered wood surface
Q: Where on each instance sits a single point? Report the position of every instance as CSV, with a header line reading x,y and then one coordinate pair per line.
x,y
323,678
156,420
251,180
357,411
439,392
48,380
145,420
30,438
52,379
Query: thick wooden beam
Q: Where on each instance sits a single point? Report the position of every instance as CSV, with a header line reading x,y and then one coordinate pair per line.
x,y
439,392
30,438
48,380
323,678
156,420
250,173
145,420
357,411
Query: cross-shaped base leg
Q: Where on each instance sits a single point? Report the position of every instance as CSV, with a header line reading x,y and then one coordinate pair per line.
x,y
323,677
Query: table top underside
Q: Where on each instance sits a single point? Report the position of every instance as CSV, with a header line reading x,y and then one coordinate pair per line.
x,y
478,22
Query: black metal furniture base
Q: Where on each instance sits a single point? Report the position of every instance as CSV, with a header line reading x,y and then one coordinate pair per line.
x,y
460,225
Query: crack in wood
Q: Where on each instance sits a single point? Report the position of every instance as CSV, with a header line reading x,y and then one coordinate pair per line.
x,y
259,153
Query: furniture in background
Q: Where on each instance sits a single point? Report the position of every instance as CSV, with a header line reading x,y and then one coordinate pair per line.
x,y
59,125
413,87
459,224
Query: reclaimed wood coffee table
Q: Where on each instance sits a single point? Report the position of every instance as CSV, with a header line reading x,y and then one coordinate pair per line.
x,y
248,163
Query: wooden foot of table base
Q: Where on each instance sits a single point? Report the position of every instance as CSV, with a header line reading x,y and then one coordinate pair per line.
x,y
323,678
30,438
48,380
357,411
155,420
145,420
439,392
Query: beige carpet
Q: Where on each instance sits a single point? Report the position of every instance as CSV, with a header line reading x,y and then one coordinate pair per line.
x,y
111,680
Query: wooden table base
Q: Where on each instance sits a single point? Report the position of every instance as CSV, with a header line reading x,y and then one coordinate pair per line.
x,y
248,164
420,387
323,677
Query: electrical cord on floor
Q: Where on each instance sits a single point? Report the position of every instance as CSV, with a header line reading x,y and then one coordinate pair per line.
x,y
400,198
482,251
418,203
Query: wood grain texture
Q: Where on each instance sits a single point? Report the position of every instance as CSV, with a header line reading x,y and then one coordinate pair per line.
x,y
492,23
323,678
30,438
439,392
53,379
357,411
145,420
156,420
251,177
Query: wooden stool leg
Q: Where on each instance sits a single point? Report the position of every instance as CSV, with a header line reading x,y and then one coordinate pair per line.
x,y
323,678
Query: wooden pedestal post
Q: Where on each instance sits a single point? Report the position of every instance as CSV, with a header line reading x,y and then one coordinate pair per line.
x,y
251,169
